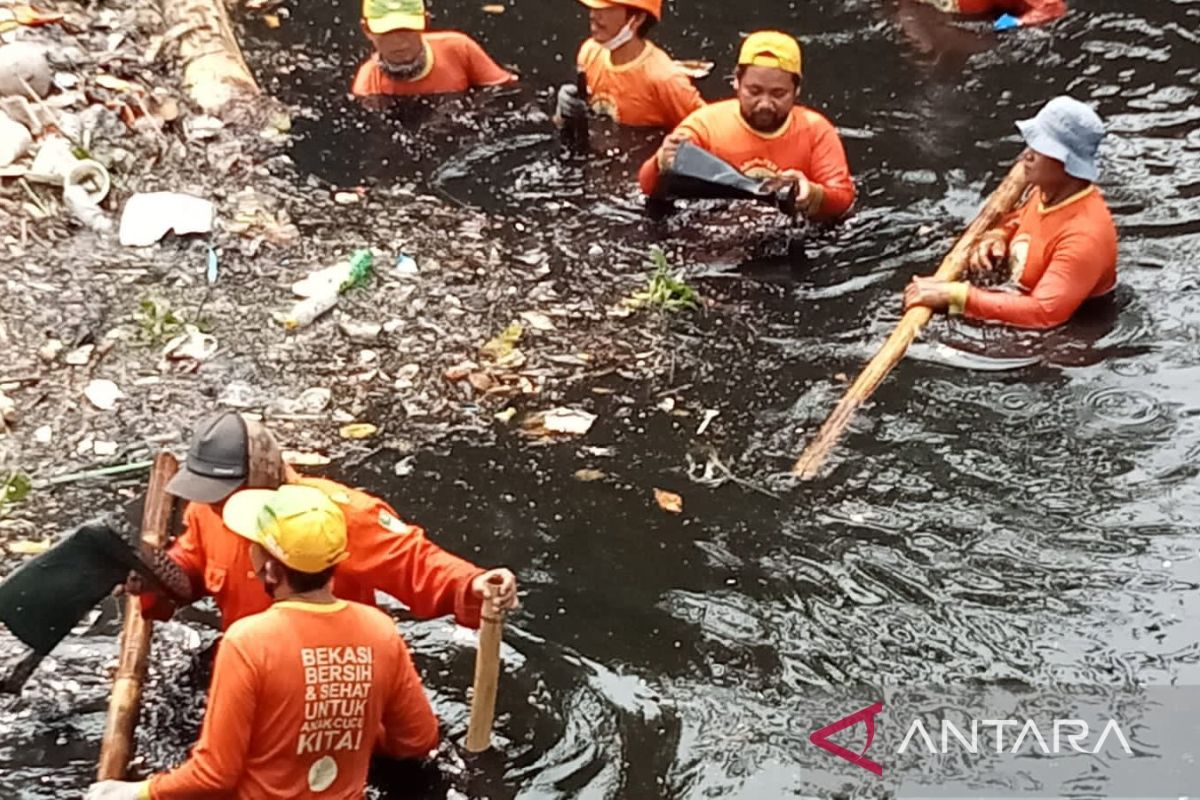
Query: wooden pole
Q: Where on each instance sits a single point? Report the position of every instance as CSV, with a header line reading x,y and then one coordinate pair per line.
x,y
487,673
1002,201
214,71
116,748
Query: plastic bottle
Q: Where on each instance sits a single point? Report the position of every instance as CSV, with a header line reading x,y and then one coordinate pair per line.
x,y
322,289
307,310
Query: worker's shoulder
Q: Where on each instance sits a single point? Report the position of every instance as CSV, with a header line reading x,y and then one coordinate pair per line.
x,y
254,632
659,64
589,51
722,112
341,494
451,40
812,119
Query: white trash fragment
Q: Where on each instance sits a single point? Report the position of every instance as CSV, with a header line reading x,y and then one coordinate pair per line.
x,y
202,127
307,310
50,350
24,64
406,266
104,448
54,160
709,415
103,394
80,355
404,467
150,216
191,344
8,409
568,420
360,331
15,140
538,321
315,400
84,209
43,435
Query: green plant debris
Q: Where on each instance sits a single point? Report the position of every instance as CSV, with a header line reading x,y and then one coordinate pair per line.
x,y
665,290
157,323
16,487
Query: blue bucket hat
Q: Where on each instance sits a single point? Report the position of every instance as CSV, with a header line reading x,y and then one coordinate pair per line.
x,y
1068,131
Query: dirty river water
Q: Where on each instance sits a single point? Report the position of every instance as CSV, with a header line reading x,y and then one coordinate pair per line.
x,y
1024,518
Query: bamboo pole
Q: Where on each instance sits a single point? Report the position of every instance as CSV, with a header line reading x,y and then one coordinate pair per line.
x,y
487,674
1002,201
214,71
116,747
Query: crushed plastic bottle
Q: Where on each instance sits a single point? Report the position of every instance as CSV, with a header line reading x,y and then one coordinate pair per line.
x,y
320,289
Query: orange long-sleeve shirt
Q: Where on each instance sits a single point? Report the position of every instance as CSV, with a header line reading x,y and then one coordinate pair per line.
x,y
454,63
807,142
301,695
1029,12
650,91
385,554
1060,256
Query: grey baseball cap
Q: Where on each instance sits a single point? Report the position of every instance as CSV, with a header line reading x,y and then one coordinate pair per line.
x,y
217,460
1068,131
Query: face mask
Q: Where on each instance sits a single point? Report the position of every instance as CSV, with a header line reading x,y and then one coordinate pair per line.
x,y
404,72
622,38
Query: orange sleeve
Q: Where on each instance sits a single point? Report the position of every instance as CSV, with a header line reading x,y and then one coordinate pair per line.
x,y
830,170
410,729
1073,273
1042,11
187,552
648,174
363,85
398,559
217,761
482,69
679,96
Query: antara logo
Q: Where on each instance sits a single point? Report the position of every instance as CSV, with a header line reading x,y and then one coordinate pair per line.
x,y
1027,735
866,716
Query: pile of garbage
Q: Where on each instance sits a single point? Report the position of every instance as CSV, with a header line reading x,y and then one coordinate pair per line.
x,y
162,263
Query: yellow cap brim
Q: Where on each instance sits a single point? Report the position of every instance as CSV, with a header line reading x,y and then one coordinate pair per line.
x,y
599,3
242,510
396,22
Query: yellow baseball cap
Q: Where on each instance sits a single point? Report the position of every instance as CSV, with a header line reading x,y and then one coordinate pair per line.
x,y
771,49
384,16
299,525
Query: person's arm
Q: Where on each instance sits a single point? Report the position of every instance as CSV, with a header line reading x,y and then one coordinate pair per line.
x,y
831,189
365,84
1042,11
482,69
649,173
397,558
187,551
216,764
410,729
1070,278
679,97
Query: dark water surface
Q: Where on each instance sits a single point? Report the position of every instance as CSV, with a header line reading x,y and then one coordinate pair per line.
x,y
1029,522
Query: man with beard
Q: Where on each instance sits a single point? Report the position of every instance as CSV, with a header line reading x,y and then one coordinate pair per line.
x,y
764,133
410,61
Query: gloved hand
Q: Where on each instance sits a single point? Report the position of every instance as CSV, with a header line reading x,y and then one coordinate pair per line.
x,y
1007,22
116,790
570,105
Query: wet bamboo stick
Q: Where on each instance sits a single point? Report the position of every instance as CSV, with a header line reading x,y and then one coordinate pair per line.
x,y
1002,201
214,70
487,674
116,748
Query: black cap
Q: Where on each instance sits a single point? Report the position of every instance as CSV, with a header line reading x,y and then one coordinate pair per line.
x,y
216,463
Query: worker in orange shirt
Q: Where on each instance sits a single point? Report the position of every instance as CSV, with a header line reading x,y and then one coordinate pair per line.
x,y
303,693
629,78
1006,13
764,133
410,61
229,453
1059,249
